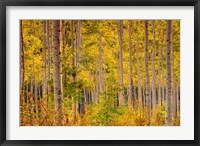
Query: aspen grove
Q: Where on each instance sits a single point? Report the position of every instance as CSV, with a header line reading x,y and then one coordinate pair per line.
x,y
99,72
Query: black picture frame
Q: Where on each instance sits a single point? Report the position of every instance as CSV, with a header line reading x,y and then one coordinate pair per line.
x,y
5,3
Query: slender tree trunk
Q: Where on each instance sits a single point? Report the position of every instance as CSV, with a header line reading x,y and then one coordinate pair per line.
x,y
77,55
79,41
130,94
61,53
44,82
121,93
39,101
31,96
168,88
36,100
147,72
139,78
74,106
22,97
138,70
100,72
85,96
64,51
159,72
96,87
49,55
159,86
163,73
64,71
177,99
63,37
25,92
21,64
163,87
134,95
94,95
144,96
153,71
173,101
57,76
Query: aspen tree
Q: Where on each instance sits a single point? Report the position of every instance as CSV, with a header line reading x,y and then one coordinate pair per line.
x,y
130,94
147,92
173,100
121,93
138,68
168,84
21,62
44,75
56,74
153,71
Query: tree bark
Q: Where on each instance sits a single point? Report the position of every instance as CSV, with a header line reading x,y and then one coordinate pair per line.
x,y
32,95
173,101
44,82
57,76
100,72
21,64
163,73
153,71
36,100
49,55
78,50
64,52
177,99
74,63
121,93
138,70
159,72
61,53
130,93
147,72
168,66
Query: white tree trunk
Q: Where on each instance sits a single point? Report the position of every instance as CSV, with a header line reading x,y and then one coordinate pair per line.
x,y
57,76
121,93
173,101
153,71
147,72
44,82
130,93
168,85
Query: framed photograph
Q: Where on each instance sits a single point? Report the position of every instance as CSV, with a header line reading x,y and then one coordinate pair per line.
x,y
99,72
